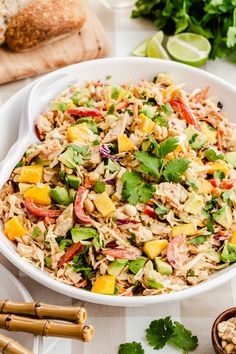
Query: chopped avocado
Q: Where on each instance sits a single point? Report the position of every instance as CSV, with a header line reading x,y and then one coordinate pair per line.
x,y
230,157
115,90
82,233
151,276
195,138
59,106
223,217
213,256
229,253
116,266
67,158
73,181
48,262
163,267
152,283
60,195
72,194
137,264
209,132
149,111
99,187
194,204
39,161
198,240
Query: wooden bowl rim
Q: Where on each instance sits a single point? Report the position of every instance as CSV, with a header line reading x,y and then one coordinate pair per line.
x,y
225,315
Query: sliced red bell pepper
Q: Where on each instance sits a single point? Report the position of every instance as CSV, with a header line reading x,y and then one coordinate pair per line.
x,y
214,182
70,253
38,132
185,113
227,184
121,253
149,211
39,211
79,206
224,184
84,112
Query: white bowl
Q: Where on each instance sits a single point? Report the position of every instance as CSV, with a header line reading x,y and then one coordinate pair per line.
x,y
13,290
121,70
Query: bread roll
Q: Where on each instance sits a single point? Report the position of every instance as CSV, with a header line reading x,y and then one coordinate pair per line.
x,y
9,8
42,21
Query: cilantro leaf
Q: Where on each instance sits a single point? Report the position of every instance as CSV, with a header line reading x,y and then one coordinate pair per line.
x,y
145,192
130,181
183,338
131,348
135,189
219,175
212,155
167,146
148,163
174,169
159,332
160,209
162,121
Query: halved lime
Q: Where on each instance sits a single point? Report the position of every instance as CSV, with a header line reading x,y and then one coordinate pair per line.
x,y
141,49
189,48
156,50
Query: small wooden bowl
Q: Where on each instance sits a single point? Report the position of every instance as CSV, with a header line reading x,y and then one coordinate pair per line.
x,y
224,316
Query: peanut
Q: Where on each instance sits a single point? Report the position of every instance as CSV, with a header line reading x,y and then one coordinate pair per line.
x,y
229,348
88,205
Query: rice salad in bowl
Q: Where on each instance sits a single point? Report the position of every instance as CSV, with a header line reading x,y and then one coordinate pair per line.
x,y
131,190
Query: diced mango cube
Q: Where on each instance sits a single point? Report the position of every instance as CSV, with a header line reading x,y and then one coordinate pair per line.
x,y
146,125
14,228
186,229
124,143
104,204
122,94
39,194
154,248
209,132
233,238
205,187
218,166
81,134
104,284
31,174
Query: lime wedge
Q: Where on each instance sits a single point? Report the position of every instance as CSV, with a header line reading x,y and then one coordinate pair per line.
x,y
156,50
141,49
189,48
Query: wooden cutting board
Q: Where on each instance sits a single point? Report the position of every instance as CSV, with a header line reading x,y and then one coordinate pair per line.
x,y
90,43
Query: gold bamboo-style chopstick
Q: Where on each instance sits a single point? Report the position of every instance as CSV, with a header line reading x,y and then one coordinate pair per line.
x,y
11,346
41,310
46,327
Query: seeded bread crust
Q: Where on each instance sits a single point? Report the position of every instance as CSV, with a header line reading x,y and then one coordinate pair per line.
x,y
8,8
44,21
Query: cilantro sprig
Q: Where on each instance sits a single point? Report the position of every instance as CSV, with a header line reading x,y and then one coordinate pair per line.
x,y
175,168
159,333
153,163
135,189
131,348
165,330
212,155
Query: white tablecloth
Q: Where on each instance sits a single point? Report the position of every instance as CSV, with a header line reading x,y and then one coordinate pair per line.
x,y
118,325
